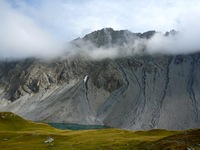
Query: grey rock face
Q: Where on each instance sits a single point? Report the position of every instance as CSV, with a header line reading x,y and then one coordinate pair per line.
x,y
140,92
109,37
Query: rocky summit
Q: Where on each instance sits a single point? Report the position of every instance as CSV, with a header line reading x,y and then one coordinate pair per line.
x,y
134,92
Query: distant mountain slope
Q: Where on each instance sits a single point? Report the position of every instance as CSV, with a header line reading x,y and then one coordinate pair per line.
x,y
133,92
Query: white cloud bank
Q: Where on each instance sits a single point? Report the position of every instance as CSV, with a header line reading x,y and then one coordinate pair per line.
x,y
38,28
21,37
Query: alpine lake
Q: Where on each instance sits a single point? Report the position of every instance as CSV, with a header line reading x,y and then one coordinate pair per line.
x,y
69,126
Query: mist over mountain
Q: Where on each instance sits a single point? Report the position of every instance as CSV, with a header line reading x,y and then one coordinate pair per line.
x,y
108,77
107,43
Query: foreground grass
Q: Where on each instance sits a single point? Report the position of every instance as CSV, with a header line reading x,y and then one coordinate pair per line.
x,y
19,134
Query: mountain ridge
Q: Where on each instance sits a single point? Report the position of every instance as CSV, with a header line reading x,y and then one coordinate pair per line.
x,y
110,36
133,92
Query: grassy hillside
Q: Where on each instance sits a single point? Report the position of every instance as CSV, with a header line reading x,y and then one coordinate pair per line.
x,y
11,122
17,133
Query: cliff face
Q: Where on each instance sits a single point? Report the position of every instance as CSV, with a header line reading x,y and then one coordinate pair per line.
x,y
135,92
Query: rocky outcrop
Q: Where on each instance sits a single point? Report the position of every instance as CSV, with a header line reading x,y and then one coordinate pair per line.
x,y
135,92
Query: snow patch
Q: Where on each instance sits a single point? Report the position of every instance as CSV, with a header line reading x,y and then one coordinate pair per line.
x,y
85,79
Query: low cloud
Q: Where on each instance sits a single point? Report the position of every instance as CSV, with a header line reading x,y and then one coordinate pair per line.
x,y
41,28
172,43
21,37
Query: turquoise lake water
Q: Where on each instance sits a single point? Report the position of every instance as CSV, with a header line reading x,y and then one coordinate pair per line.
x,y
65,126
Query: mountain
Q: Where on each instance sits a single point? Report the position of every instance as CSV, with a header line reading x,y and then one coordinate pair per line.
x,y
134,92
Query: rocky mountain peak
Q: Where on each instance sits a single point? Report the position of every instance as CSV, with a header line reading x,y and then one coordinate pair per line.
x,y
108,37
148,34
171,32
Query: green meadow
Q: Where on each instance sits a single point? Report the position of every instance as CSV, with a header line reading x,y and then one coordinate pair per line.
x,y
17,133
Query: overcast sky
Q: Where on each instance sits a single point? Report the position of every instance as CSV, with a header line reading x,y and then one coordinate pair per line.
x,y
31,25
